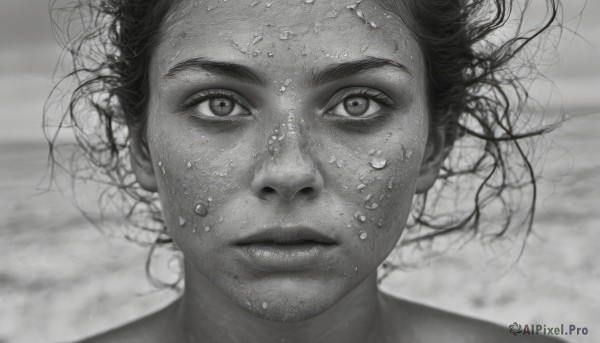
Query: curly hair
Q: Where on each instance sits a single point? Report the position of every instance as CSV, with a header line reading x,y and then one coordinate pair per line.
x,y
475,95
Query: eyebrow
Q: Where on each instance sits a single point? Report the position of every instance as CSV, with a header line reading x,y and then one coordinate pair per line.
x,y
227,69
347,69
317,77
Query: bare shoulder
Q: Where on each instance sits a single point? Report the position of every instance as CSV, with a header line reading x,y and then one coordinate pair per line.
x,y
149,329
422,323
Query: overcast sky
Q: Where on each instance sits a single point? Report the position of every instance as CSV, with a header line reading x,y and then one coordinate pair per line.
x,y
28,54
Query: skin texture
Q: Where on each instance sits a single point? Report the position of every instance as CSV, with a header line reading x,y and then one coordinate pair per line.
x,y
292,156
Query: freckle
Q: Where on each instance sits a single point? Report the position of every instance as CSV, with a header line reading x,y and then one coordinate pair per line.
x,y
378,163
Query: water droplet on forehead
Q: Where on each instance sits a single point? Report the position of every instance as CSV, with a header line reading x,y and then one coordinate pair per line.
x,y
201,209
378,163
181,221
362,235
257,38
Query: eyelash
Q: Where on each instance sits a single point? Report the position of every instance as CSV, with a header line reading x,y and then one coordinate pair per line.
x,y
381,98
198,98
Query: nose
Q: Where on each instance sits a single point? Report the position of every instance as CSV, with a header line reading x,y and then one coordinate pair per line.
x,y
290,173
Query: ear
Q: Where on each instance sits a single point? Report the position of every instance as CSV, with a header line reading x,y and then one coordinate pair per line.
x,y
436,152
141,161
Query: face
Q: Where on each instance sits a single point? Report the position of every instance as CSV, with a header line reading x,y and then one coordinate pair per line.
x,y
286,141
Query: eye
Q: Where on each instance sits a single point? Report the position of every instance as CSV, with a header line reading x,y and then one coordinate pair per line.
x,y
217,104
358,103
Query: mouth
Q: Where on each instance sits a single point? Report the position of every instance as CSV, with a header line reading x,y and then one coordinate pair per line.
x,y
280,249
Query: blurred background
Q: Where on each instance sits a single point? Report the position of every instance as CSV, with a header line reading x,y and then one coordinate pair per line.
x,y
61,279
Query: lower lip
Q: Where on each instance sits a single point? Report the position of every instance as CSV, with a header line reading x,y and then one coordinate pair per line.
x,y
279,257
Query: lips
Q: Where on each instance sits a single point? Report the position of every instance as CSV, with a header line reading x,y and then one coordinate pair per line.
x,y
287,236
285,249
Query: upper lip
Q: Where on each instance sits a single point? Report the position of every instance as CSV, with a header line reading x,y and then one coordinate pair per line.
x,y
287,235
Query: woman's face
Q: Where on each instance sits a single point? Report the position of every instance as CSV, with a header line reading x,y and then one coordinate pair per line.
x,y
286,141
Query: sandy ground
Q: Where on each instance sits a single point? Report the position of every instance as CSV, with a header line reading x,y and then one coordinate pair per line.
x,y
61,279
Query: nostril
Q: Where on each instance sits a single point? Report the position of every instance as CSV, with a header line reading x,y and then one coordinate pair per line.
x,y
268,190
307,191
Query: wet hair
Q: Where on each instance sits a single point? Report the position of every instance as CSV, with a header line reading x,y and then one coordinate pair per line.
x,y
476,96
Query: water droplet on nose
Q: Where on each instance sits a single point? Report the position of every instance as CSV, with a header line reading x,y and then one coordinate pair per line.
x,y
201,209
207,228
361,186
189,165
265,305
352,7
362,235
331,14
181,221
378,163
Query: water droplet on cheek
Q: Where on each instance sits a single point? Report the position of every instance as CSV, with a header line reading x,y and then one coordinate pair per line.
x,y
362,235
378,163
201,209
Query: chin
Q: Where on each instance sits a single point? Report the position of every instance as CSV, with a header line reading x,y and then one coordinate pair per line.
x,y
290,301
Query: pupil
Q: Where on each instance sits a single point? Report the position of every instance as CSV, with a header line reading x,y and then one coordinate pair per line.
x,y
356,106
221,106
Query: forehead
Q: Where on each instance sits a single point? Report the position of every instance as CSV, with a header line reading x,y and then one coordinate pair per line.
x,y
273,33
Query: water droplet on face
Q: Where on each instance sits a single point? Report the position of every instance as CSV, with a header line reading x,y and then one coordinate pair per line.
x,y
285,35
372,152
162,167
201,209
270,54
356,269
254,3
181,221
332,159
265,305
189,165
209,199
391,183
257,38
362,235
374,205
331,14
380,222
207,228
287,82
268,4
360,14
368,197
378,163
210,8
361,186
339,164
309,1
372,25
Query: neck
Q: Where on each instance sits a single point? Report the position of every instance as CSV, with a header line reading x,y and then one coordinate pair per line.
x,y
204,314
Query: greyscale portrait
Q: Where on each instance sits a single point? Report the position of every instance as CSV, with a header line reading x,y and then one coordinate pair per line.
x,y
299,171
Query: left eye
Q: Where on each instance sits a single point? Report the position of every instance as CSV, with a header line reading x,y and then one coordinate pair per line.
x,y
220,107
355,106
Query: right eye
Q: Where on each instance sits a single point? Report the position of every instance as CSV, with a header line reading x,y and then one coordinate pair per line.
x,y
217,104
